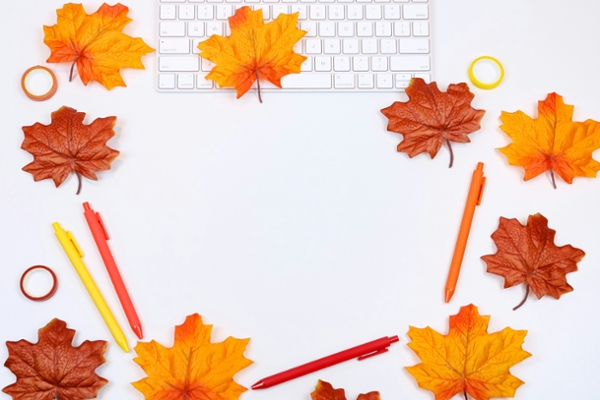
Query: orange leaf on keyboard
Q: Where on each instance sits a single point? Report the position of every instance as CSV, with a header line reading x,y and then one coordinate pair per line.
x,y
253,51
527,254
324,391
194,368
468,360
432,117
95,43
52,368
68,145
552,141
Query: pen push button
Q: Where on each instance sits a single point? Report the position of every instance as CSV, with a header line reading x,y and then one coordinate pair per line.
x,y
104,232
373,354
75,244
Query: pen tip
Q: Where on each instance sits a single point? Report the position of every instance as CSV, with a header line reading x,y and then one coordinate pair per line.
x,y
449,294
123,344
258,385
137,329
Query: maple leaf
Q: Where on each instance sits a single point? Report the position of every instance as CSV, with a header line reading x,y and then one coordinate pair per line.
x,y
95,43
432,117
552,141
527,254
67,145
52,368
253,51
467,360
324,391
194,368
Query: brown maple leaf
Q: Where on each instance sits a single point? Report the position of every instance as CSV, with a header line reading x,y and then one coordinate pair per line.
x,y
432,117
52,368
95,43
324,391
67,145
527,254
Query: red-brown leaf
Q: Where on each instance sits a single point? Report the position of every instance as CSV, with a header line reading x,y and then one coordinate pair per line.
x,y
324,391
52,368
431,117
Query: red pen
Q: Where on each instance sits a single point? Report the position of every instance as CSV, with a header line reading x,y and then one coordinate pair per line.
x,y
361,352
100,237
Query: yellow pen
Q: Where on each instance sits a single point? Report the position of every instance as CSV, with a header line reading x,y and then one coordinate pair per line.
x,y
70,246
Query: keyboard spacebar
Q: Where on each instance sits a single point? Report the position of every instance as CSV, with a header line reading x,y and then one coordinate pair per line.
x,y
306,81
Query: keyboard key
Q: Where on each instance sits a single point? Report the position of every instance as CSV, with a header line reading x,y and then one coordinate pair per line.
x,y
425,77
308,1
202,82
373,11
402,80
346,29
306,65
360,64
344,81
214,28
327,29
280,9
365,29
421,28
184,64
168,11
401,1
350,46
195,29
265,10
172,28
195,42
336,12
384,81
301,9
270,1
323,64
207,66
388,46
409,63
415,11
369,46
306,81
173,1
332,46
195,1
317,12
391,11
224,11
289,1
365,81
383,29
298,47
166,81
401,28
313,46
379,64
414,46
310,28
341,64
205,12
185,81
355,12
187,12
174,46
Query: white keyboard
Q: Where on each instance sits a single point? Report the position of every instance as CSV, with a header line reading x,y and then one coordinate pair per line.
x,y
351,45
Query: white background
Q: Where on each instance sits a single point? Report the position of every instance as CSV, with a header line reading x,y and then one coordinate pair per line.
x,y
295,222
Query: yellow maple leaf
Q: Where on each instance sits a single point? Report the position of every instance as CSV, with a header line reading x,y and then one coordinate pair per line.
x,y
194,368
254,50
95,43
552,141
467,359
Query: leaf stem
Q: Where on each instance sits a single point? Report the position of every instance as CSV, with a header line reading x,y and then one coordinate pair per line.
x,y
465,393
72,68
524,299
79,180
451,152
258,86
552,175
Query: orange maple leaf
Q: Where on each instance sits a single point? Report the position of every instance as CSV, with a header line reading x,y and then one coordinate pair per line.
x,y
467,359
527,254
552,141
52,368
432,117
194,368
324,391
67,145
254,51
95,43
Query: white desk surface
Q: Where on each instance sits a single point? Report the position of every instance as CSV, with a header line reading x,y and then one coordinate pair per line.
x,y
295,222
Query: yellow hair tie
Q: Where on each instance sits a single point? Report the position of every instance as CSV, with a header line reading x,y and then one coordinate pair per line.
x,y
483,85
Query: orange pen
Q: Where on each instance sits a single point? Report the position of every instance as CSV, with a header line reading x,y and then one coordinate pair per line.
x,y
473,200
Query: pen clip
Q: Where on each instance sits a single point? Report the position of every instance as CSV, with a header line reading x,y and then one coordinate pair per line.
x,y
481,191
75,244
99,218
372,354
